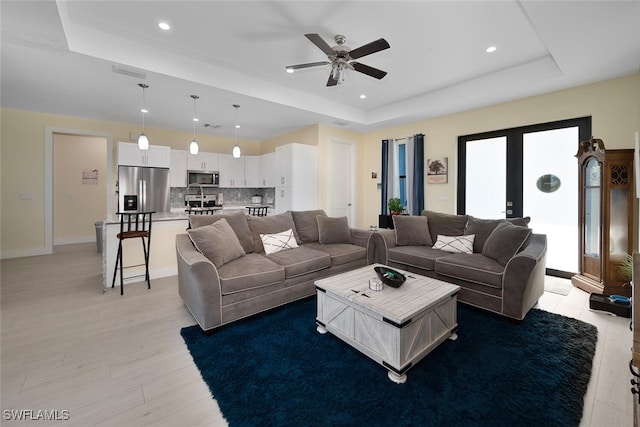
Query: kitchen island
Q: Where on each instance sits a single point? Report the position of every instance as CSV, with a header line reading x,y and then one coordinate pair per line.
x,y
162,255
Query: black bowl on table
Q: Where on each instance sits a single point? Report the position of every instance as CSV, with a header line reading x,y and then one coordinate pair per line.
x,y
390,277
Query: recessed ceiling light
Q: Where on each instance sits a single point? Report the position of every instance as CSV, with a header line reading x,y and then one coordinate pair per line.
x,y
164,26
144,110
491,49
363,96
195,119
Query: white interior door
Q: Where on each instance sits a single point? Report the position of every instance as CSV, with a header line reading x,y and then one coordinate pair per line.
x,y
341,180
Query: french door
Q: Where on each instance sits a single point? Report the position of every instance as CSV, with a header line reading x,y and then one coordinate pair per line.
x,y
527,171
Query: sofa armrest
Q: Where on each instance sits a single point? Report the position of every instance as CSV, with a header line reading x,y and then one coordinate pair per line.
x,y
363,238
383,240
524,274
198,284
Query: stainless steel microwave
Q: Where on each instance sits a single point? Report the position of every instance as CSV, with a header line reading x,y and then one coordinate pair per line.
x,y
203,178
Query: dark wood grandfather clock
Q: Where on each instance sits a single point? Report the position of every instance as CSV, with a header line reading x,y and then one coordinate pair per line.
x,y
606,217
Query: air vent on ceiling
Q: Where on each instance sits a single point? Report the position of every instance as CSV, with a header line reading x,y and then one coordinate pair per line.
x,y
339,123
131,72
208,125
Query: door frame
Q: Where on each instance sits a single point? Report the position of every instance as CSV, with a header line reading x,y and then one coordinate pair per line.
x,y
514,158
48,175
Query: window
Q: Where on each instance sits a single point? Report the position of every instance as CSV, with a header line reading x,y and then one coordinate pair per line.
x,y
402,173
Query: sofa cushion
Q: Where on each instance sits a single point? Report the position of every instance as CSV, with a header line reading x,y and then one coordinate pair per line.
x,y
333,230
248,272
412,230
505,241
471,267
307,224
277,242
270,225
300,261
456,244
417,256
217,241
340,253
445,224
482,228
237,221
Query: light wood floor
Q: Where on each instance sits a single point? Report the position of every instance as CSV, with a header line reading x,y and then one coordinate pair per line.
x,y
119,360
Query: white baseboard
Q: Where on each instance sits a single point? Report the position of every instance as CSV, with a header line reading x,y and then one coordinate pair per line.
x,y
73,240
20,253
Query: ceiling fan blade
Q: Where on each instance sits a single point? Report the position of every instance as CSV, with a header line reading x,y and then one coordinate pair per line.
x,y
318,41
310,64
370,71
368,49
331,81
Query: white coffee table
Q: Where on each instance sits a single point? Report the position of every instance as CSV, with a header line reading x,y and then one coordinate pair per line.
x,y
395,327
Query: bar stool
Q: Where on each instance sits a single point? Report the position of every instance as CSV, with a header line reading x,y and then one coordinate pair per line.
x,y
133,225
257,210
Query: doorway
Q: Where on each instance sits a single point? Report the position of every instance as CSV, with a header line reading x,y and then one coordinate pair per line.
x,y
341,180
105,174
527,171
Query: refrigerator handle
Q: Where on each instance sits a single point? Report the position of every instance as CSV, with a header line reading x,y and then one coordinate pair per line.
x,y
144,195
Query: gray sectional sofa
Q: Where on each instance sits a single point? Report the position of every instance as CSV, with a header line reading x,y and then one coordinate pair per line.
x,y
232,266
499,264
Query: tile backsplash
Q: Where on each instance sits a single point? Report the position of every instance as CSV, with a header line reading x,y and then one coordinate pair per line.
x,y
232,196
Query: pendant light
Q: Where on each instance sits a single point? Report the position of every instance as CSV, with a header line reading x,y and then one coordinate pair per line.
x,y
193,147
236,148
143,141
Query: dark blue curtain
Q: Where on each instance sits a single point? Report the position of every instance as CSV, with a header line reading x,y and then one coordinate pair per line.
x,y
384,176
418,175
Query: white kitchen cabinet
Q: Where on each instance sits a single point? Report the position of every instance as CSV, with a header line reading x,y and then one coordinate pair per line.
x,y
268,170
178,168
231,171
252,172
203,161
157,156
296,177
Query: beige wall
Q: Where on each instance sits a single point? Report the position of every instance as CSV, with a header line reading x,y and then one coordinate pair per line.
x,y
614,106
77,205
22,168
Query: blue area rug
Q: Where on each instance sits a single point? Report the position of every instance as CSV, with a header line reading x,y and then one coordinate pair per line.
x,y
274,369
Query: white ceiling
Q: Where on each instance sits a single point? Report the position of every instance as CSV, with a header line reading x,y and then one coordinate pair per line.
x,y
57,57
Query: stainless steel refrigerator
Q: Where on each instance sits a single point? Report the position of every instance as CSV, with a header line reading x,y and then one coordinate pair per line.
x,y
143,189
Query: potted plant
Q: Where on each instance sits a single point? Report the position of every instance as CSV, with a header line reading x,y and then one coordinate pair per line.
x,y
395,206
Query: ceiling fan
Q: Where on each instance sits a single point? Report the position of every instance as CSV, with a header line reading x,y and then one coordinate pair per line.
x,y
341,58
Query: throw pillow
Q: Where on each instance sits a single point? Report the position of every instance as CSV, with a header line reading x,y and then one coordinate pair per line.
x,y
237,220
333,230
412,230
278,242
505,241
445,224
456,244
307,224
270,225
217,242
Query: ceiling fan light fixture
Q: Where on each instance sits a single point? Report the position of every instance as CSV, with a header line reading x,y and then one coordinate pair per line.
x,y
290,70
164,26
